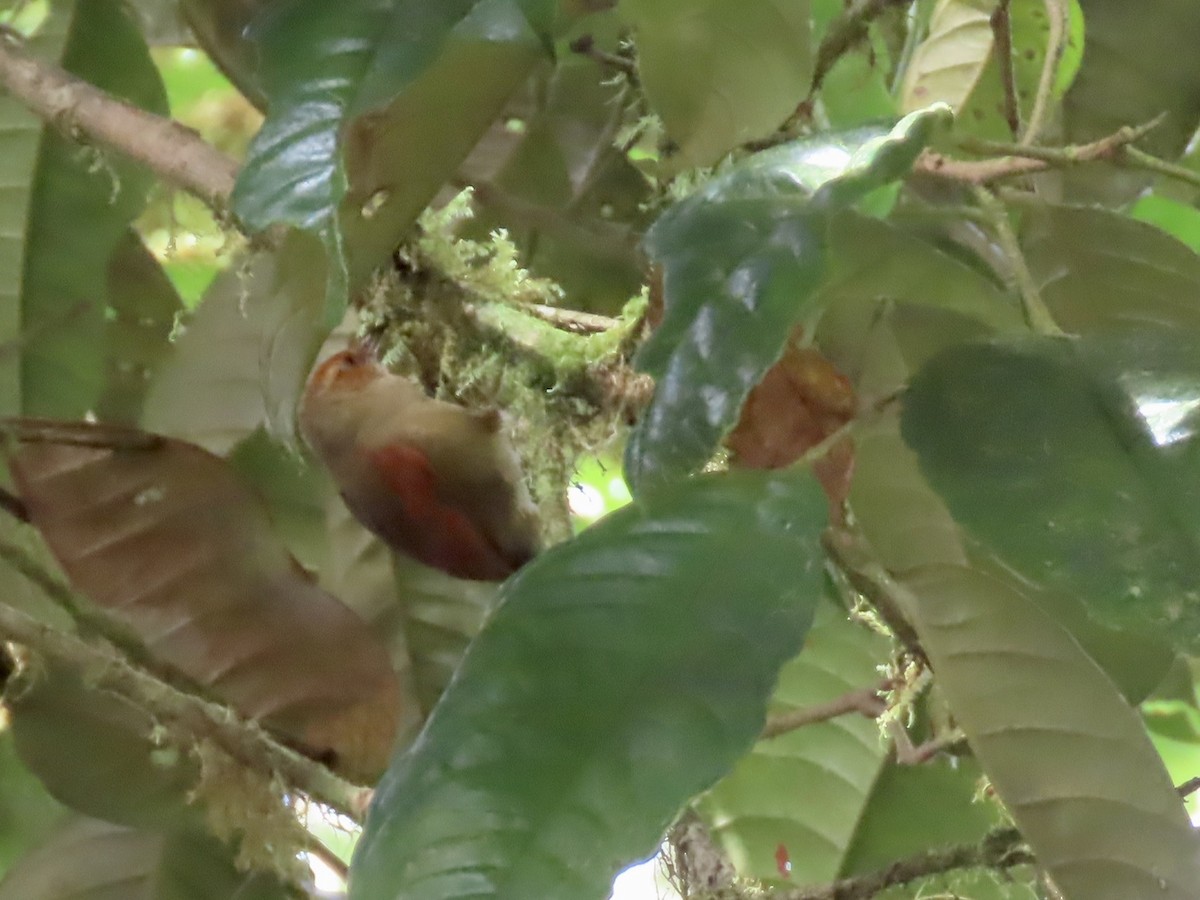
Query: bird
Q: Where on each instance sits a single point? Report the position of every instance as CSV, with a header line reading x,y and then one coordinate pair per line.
x,y
436,481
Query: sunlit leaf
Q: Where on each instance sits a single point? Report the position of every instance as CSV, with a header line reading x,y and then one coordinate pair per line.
x,y
586,713
951,58
162,535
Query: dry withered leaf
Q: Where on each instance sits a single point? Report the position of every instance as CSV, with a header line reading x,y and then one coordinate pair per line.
x,y
162,535
800,402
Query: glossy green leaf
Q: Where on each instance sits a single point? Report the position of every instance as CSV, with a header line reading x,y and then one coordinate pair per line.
x,y
721,74
1137,66
806,789
741,261
79,211
1099,270
1076,460
1075,769
345,84
88,859
623,672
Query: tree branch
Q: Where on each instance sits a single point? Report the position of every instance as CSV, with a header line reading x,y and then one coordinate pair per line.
x,y
1001,23
863,700
192,717
1001,849
82,111
1016,160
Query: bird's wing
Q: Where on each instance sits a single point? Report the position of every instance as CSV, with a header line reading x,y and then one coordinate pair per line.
x,y
437,531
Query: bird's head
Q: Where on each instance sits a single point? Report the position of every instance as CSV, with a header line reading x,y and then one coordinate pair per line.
x,y
348,371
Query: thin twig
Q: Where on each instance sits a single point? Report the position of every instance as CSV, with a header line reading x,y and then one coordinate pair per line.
x,y
1134,158
1016,160
863,700
174,152
1189,787
1001,22
1001,849
1037,314
185,714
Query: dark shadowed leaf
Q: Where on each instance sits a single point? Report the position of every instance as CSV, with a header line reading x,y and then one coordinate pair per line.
x,y
1136,67
1076,769
87,859
162,535
1099,269
623,672
78,214
721,74
741,260
1076,460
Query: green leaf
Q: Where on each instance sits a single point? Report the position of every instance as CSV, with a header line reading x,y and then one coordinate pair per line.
x,y
20,137
984,114
142,306
1137,66
721,74
623,672
741,262
345,83
1110,829
805,789
79,211
1099,269
915,808
27,811
1076,460
124,776
88,859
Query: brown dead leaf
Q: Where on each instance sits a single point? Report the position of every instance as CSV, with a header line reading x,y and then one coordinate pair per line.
x,y
800,402
162,535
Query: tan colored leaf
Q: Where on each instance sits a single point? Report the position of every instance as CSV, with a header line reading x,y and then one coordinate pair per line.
x,y
161,534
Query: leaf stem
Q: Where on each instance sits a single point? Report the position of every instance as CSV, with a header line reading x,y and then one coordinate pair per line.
x,y
1037,315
